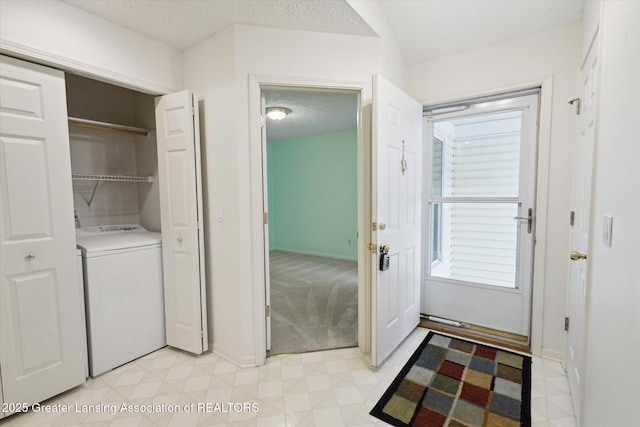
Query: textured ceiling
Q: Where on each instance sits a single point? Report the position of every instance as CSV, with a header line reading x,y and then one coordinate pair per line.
x,y
183,23
424,29
429,29
312,113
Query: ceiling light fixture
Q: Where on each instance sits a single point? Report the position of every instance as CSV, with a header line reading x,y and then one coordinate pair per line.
x,y
277,113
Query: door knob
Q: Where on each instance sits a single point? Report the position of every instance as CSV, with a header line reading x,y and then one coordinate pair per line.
x,y
29,257
180,239
577,255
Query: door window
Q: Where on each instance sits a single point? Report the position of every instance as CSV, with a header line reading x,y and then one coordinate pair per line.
x,y
475,164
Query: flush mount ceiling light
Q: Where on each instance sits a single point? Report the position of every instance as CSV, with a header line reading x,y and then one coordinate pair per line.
x,y
277,113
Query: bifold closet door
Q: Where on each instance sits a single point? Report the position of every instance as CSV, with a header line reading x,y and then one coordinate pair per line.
x,y
180,185
41,327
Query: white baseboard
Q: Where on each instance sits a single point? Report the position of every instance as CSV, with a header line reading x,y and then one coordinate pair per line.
x,y
239,361
340,257
552,354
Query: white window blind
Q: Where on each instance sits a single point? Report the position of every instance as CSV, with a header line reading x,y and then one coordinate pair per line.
x,y
480,166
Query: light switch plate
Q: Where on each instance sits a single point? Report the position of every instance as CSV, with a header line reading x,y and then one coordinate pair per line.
x,y
607,230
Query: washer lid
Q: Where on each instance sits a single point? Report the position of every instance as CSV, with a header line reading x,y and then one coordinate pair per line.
x,y
115,240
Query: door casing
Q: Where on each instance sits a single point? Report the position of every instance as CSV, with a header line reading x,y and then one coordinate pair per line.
x,y
256,84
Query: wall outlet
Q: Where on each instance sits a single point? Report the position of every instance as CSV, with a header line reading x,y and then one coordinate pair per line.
x,y
607,230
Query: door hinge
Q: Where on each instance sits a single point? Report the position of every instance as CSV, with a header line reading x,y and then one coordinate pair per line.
x,y
566,324
374,226
198,225
201,334
263,121
372,247
193,111
267,311
265,218
572,218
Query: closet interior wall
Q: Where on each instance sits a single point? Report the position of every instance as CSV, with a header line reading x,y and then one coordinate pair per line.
x,y
103,152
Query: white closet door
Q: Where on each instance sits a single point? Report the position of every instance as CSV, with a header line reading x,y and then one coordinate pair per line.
x,y
182,231
41,337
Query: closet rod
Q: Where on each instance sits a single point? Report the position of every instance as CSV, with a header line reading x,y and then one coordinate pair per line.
x,y
93,124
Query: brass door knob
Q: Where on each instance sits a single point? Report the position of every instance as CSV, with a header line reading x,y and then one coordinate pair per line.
x,y
577,255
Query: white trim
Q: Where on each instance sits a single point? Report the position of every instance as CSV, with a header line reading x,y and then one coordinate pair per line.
x,y
241,362
557,356
256,84
541,212
81,68
329,256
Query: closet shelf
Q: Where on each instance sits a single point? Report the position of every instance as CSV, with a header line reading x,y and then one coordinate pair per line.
x,y
93,124
99,178
121,178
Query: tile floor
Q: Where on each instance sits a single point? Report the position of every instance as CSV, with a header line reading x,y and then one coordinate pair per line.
x,y
329,388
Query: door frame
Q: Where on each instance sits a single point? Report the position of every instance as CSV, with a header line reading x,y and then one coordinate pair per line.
x,y
362,89
543,154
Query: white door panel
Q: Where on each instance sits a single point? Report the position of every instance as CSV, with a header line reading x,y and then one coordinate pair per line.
x,y
41,327
182,231
396,207
581,206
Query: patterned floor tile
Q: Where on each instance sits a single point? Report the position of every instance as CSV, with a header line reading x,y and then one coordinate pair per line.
x,y
335,387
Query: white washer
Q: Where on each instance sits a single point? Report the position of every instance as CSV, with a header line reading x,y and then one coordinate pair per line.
x,y
124,296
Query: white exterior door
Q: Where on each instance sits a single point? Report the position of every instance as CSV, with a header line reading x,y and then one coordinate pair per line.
x,y
481,199
396,215
180,185
581,207
41,326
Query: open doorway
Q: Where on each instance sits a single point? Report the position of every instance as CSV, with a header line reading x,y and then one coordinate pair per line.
x,y
312,203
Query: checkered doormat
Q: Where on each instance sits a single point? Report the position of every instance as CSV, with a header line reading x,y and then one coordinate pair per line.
x,y
453,382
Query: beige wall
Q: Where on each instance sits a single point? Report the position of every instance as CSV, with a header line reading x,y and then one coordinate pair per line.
x,y
509,65
218,70
55,33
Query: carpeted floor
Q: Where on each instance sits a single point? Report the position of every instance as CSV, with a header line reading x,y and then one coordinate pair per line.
x,y
314,303
453,382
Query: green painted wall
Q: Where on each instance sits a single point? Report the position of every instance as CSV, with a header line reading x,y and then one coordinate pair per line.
x,y
312,184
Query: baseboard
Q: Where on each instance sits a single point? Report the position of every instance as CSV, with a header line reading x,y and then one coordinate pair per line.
x,y
552,354
241,362
293,251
